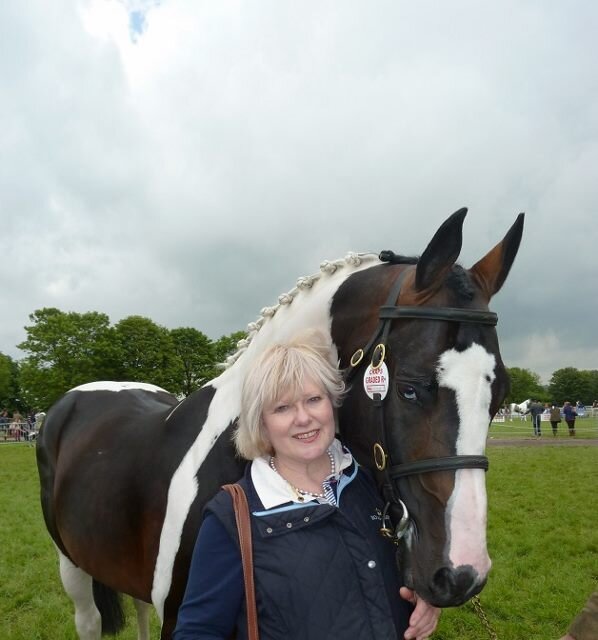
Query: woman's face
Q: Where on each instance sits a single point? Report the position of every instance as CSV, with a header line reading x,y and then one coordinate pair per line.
x,y
300,430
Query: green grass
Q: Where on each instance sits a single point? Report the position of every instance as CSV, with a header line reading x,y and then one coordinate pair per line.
x,y
585,428
542,537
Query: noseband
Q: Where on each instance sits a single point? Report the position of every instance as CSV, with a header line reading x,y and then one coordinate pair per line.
x,y
395,509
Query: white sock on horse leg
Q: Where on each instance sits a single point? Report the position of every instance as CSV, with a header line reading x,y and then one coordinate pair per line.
x,y
79,587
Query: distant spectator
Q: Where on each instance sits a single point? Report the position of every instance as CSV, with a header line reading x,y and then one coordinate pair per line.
x,y
16,426
536,409
555,418
4,422
570,415
585,625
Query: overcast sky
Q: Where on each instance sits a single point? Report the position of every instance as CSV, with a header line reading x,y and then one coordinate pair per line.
x,y
187,161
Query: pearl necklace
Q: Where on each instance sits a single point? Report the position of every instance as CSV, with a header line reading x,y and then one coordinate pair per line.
x,y
304,492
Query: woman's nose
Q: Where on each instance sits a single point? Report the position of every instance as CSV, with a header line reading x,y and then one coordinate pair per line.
x,y
301,416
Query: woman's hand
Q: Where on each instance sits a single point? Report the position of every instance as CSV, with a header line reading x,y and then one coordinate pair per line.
x,y
423,620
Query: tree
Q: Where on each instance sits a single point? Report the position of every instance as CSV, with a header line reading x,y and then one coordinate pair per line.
x,y
64,350
9,383
222,348
146,353
572,384
524,384
196,354
593,380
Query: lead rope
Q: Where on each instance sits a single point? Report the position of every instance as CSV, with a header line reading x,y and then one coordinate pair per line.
x,y
477,607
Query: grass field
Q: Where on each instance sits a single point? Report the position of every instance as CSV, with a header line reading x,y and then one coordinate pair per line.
x,y
516,428
542,537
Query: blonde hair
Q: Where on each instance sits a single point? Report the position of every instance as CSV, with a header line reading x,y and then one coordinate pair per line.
x,y
282,369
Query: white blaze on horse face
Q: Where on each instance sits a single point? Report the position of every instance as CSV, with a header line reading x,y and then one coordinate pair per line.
x,y
469,374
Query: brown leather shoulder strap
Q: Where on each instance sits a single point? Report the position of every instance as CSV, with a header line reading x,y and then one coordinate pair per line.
x,y
244,527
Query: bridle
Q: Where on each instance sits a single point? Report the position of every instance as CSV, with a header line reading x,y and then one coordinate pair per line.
x,y
395,509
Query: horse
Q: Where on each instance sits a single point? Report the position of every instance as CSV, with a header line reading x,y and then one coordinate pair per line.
x,y
520,409
125,468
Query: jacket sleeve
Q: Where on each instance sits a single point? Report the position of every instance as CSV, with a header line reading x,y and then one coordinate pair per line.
x,y
215,590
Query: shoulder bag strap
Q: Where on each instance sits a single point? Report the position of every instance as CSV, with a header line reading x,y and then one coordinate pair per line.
x,y
244,527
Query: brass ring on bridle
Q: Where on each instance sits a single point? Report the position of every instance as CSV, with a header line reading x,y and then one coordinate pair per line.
x,y
379,457
378,355
356,358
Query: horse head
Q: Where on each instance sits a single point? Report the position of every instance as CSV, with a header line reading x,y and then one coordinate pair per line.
x,y
426,377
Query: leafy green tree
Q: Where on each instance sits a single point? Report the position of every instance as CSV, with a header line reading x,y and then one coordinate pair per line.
x,y
593,383
571,384
9,384
146,353
524,384
64,350
222,348
196,354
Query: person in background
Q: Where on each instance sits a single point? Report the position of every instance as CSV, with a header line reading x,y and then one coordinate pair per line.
x,y
535,409
17,426
555,418
4,422
322,570
585,624
570,415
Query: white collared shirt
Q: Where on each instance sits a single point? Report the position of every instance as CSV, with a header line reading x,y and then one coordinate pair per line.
x,y
273,490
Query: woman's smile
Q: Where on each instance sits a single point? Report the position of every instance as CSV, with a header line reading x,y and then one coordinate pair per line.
x,y
300,429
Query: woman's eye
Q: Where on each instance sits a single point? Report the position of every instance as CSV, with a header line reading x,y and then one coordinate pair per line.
x,y
281,408
408,392
315,399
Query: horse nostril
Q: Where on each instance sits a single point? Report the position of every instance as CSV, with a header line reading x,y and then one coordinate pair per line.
x,y
455,585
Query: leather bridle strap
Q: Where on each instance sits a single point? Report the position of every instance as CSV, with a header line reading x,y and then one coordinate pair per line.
x,y
448,463
450,314
389,474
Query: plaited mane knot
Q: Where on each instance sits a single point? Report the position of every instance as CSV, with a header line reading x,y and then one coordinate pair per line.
x,y
255,326
328,267
285,298
306,282
353,259
268,312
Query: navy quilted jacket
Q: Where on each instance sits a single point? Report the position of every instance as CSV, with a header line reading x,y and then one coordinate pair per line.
x,y
321,572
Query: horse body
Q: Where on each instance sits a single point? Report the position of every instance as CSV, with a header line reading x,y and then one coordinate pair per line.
x,y
520,409
125,472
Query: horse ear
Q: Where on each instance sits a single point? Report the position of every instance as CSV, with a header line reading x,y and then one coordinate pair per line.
x,y
442,252
492,270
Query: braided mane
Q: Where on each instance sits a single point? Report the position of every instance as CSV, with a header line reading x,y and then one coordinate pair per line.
x,y
327,268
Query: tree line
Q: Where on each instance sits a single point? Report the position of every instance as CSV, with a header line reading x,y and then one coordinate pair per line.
x,y
66,349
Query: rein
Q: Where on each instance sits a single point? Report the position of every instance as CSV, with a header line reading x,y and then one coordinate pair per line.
x,y
395,509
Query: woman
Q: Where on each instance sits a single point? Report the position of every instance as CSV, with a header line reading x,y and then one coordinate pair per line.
x,y
570,415
555,418
322,570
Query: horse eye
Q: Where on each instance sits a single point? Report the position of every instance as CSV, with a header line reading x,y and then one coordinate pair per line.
x,y
408,392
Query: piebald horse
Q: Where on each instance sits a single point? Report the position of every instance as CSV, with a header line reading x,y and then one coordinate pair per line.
x,y
520,409
125,468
